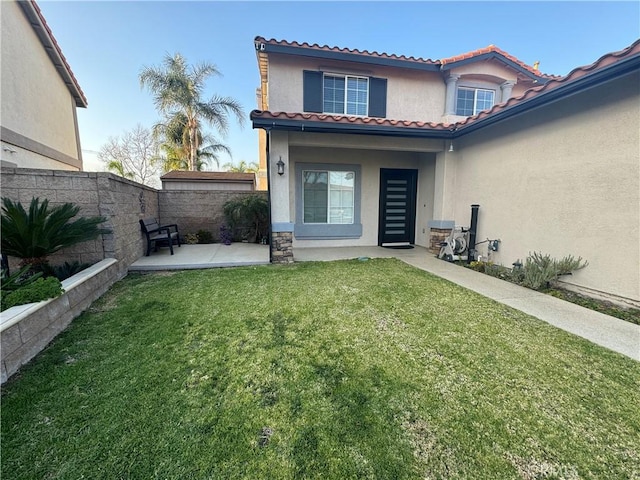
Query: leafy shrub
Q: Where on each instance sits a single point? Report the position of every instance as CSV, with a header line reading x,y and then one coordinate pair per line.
x,y
66,270
541,270
249,213
22,277
191,238
478,266
34,291
204,236
36,234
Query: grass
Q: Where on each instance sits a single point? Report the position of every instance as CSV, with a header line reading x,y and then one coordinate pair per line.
x,y
341,370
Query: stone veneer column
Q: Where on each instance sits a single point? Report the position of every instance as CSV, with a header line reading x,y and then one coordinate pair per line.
x,y
450,98
506,88
282,247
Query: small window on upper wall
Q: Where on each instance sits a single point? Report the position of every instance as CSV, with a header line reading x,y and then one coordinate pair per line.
x,y
345,94
471,101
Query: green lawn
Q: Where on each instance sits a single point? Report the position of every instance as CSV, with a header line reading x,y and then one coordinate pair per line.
x,y
342,370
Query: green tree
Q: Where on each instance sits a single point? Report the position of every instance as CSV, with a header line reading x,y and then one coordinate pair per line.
x,y
242,167
177,91
34,235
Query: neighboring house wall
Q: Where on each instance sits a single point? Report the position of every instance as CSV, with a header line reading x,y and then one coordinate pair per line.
x,y
194,185
564,179
37,110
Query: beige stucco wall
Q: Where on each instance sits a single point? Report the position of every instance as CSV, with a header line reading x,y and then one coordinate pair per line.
x,y
363,151
411,94
35,103
564,179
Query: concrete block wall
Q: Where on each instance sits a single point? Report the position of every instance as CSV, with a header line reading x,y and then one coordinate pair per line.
x,y
196,210
122,201
35,325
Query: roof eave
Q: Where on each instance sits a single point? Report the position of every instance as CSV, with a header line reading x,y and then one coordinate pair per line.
x,y
38,25
346,57
489,55
593,79
325,127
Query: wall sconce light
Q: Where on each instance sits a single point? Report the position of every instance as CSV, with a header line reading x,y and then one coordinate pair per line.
x,y
451,146
280,166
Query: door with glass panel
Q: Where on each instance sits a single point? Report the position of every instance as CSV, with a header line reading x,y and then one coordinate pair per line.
x,y
398,191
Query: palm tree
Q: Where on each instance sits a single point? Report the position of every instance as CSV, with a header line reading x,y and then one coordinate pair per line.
x,y
116,166
242,167
177,93
176,146
36,234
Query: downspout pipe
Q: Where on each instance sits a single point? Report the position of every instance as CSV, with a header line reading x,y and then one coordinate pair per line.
x,y
473,230
268,147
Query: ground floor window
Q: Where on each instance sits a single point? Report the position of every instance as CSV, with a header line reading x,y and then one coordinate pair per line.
x,y
327,201
328,196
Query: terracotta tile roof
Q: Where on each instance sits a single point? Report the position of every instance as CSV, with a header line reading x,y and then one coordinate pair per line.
x,y
441,62
349,120
209,176
575,74
327,48
493,49
50,44
603,62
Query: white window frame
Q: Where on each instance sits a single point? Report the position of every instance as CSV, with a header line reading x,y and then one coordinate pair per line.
x,y
475,99
328,206
346,92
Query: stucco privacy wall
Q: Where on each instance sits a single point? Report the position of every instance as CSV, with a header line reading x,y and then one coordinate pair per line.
x,y
122,201
564,179
36,104
194,210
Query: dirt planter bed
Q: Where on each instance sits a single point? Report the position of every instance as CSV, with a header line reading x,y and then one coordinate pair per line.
x,y
26,329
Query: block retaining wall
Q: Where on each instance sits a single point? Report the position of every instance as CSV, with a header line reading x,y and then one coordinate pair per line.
x,y
25,330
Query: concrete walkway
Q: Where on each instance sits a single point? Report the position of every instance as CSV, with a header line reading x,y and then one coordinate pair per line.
x,y
609,332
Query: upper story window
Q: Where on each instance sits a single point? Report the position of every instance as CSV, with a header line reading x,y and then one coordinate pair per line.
x,y
345,94
325,92
471,101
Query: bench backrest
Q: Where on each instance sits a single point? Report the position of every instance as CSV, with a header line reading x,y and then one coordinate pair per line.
x,y
149,224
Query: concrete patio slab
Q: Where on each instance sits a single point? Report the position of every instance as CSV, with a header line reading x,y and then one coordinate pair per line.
x,y
212,255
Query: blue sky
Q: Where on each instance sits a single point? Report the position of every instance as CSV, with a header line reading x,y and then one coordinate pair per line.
x,y
107,43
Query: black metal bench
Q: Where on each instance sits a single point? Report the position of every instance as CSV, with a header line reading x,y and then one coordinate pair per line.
x,y
159,234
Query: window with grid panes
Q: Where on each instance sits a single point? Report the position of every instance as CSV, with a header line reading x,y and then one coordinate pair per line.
x,y
328,197
345,94
471,101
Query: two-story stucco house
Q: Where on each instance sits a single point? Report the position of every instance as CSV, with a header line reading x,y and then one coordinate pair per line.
x,y
39,94
365,148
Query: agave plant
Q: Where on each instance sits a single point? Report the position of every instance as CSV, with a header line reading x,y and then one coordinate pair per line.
x,y
35,234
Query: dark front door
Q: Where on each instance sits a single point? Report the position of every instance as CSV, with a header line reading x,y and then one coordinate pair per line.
x,y
398,189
